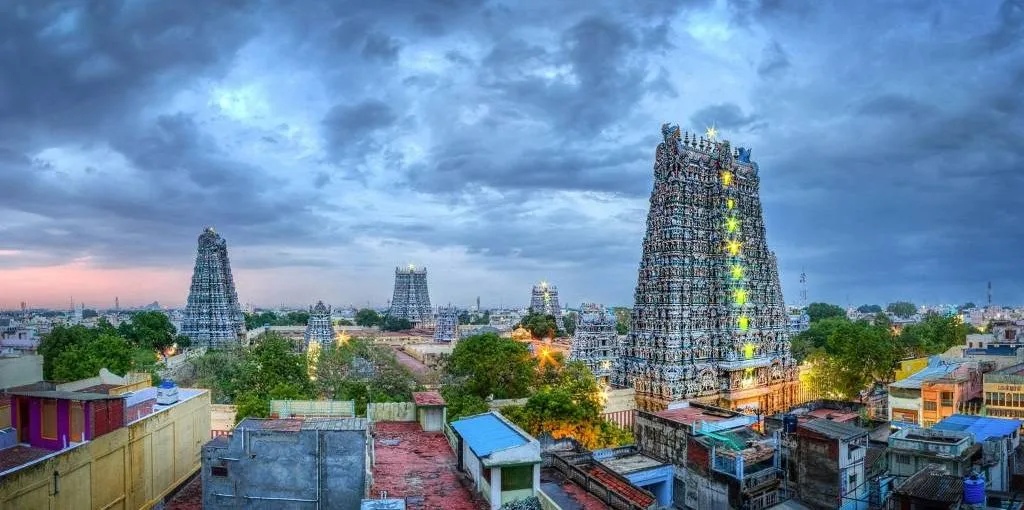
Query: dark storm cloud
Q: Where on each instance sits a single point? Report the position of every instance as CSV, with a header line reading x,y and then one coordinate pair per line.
x,y
889,146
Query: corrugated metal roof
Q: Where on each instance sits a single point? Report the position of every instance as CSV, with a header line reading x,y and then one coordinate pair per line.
x,y
833,429
937,369
933,484
982,427
486,433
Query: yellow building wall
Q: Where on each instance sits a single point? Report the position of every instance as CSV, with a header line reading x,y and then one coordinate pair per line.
x,y
131,468
909,367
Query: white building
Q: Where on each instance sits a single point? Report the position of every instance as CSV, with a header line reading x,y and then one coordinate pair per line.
x,y
503,460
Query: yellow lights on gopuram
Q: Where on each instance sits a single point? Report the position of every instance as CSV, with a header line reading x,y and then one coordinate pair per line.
x,y
748,350
711,133
733,247
732,224
726,178
730,204
739,296
736,272
748,378
744,322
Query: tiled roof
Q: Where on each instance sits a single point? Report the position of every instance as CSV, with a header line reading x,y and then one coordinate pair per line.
x,y
420,467
933,484
624,489
428,398
18,455
486,433
691,414
833,429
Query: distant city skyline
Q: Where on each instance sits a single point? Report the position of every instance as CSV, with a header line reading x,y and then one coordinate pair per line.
x,y
500,145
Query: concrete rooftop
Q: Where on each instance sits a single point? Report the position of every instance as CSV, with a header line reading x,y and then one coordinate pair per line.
x,y
420,467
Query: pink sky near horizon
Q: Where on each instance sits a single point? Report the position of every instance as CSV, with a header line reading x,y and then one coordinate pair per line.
x,y
55,286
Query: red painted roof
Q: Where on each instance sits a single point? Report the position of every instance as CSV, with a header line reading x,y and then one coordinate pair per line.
x,y
421,468
188,497
428,398
621,488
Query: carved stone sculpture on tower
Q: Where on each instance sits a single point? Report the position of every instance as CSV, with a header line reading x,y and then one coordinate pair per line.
x,y
319,327
708,319
213,317
411,300
446,326
595,341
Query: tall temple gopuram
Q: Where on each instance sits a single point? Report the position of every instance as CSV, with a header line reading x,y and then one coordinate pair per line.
x,y
708,320
595,341
411,300
446,326
213,317
544,299
319,326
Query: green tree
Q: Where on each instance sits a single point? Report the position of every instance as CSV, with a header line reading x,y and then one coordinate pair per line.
x,y
345,322
816,337
152,330
88,314
933,335
869,309
367,318
855,355
85,359
540,325
819,311
902,309
251,405
966,306
295,319
569,321
390,323
487,364
273,361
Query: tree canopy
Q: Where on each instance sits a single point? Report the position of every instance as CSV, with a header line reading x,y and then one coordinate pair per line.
x,y
76,352
361,371
569,322
820,311
367,318
541,326
391,323
152,330
869,308
269,318
902,309
487,364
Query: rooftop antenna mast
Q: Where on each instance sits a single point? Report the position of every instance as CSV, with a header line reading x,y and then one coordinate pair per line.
x,y
990,293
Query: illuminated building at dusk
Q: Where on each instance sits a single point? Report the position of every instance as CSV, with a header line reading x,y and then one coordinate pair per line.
x,y
319,328
708,320
544,300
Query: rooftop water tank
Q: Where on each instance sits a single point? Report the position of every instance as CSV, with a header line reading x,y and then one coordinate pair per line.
x,y
974,490
166,393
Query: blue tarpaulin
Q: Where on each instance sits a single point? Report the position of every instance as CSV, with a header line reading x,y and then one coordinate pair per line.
x,y
981,426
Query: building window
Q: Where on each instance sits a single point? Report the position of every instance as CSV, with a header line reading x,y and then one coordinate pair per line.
x,y
77,421
515,478
485,473
903,459
49,428
947,399
219,471
929,405
852,482
5,416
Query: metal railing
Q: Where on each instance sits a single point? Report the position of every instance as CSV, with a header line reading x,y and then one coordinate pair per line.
x,y
596,487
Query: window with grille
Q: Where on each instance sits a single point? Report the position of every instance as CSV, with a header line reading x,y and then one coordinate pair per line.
x,y
515,478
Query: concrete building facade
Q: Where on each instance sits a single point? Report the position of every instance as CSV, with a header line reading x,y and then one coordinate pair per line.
x,y
830,465
287,464
503,460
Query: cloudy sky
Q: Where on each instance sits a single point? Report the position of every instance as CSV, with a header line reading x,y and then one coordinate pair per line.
x,y
499,143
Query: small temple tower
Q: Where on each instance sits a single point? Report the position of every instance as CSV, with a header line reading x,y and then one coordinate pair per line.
x,y
595,341
446,326
213,317
319,328
708,322
411,300
544,300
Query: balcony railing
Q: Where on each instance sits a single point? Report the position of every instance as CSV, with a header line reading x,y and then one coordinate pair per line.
x,y
761,478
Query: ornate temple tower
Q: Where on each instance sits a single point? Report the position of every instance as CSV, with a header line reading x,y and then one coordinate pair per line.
x,y
446,326
411,300
595,341
544,299
708,321
319,327
213,317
